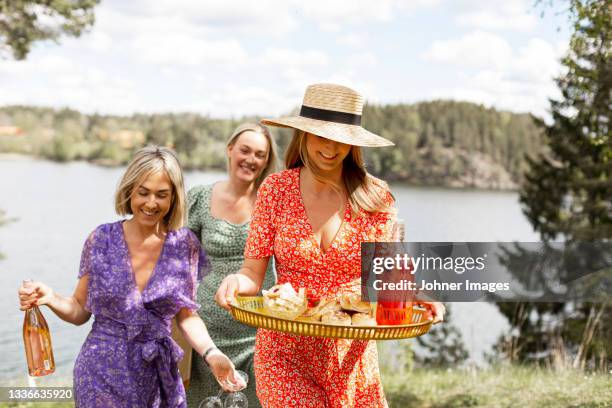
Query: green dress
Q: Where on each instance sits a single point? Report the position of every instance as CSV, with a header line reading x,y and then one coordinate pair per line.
x,y
224,244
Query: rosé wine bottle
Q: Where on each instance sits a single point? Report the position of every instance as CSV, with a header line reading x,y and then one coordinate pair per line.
x,y
37,341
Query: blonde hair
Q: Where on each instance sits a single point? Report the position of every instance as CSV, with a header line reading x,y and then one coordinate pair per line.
x,y
364,190
147,161
271,165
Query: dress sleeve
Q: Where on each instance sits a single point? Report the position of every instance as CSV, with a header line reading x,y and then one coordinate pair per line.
x,y
199,266
203,266
87,256
260,241
194,202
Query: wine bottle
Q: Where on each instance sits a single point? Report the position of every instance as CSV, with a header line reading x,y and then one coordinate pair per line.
x,y
37,341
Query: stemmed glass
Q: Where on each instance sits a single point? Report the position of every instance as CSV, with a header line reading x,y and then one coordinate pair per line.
x,y
235,399
399,230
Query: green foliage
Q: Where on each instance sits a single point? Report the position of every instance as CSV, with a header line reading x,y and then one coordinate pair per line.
x,y
568,189
500,386
442,346
568,192
23,22
437,143
456,144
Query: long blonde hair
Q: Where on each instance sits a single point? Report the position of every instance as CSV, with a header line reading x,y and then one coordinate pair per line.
x,y
271,164
364,190
146,161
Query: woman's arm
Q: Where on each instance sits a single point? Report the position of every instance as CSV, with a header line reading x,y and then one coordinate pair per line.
x,y
195,332
247,281
70,309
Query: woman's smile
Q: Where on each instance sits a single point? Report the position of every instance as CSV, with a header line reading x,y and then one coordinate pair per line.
x,y
329,157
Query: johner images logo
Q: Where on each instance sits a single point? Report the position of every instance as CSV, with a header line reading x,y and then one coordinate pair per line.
x,y
487,271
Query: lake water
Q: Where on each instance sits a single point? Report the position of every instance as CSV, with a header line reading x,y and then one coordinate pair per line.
x,y
58,205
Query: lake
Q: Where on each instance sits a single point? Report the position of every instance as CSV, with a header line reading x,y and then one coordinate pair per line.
x,y
58,205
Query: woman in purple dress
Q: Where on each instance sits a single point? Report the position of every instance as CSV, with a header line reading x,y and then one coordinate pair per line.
x,y
135,276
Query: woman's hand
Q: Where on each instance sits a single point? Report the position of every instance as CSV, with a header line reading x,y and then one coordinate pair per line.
x,y
223,370
228,290
436,311
34,294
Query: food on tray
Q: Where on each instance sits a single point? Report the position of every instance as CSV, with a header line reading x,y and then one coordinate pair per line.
x,y
340,310
353,302
363,319
337,317
283,301
324,307
343,309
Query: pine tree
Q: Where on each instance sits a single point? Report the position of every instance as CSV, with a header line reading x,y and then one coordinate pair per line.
x,y
442,347
568,193
568,190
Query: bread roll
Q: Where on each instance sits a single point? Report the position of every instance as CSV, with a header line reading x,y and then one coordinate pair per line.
x,y
363,319
353,303
338,318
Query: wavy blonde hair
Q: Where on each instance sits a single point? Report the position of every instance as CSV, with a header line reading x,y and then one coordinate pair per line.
x,y
146,161
363,189
271,165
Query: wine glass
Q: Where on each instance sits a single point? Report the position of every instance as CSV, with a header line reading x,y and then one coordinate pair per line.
x,y
237,399
399,230
212,402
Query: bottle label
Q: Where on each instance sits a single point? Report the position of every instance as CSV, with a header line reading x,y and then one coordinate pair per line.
x,y
47,364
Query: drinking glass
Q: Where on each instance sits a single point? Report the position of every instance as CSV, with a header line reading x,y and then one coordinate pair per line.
x,y
396,308
399,230
212,402
237,399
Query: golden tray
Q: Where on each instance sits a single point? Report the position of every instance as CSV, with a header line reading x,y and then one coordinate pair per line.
x,y
250,310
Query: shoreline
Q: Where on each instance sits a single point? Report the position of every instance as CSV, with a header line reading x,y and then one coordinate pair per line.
x,y
5,156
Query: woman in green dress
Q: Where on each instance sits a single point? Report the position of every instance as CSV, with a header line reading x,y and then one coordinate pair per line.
x,y
220,214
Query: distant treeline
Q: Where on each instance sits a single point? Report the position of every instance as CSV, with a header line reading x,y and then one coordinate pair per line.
x,y
442,143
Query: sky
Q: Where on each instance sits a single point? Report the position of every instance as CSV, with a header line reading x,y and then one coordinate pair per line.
x,y
230,58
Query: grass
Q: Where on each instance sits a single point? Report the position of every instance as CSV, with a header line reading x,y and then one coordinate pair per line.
x,y
500,387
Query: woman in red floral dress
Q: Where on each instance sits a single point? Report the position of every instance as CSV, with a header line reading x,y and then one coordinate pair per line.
x,y
312,218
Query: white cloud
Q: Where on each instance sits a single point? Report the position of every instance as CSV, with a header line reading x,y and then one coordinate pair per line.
x,y
538,61
230,100
184,50
495,74
495,20
366,59
354,40
262,17
331,15
57,81
293,58
477,49
512,15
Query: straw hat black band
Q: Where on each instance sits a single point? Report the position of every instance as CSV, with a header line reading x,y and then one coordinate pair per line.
x,y
330,115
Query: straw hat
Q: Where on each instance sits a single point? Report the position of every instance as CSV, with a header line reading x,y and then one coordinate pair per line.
x,y
333,112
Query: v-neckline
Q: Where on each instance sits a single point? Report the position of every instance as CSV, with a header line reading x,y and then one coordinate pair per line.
x,y
309,223
131,271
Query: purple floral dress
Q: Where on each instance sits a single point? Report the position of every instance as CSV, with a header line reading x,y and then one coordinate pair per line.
x,y
129,358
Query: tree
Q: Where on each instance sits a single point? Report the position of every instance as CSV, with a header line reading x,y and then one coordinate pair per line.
x,y
23,22
442,347
568,192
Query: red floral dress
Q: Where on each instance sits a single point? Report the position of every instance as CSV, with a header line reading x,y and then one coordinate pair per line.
x,y
302,371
